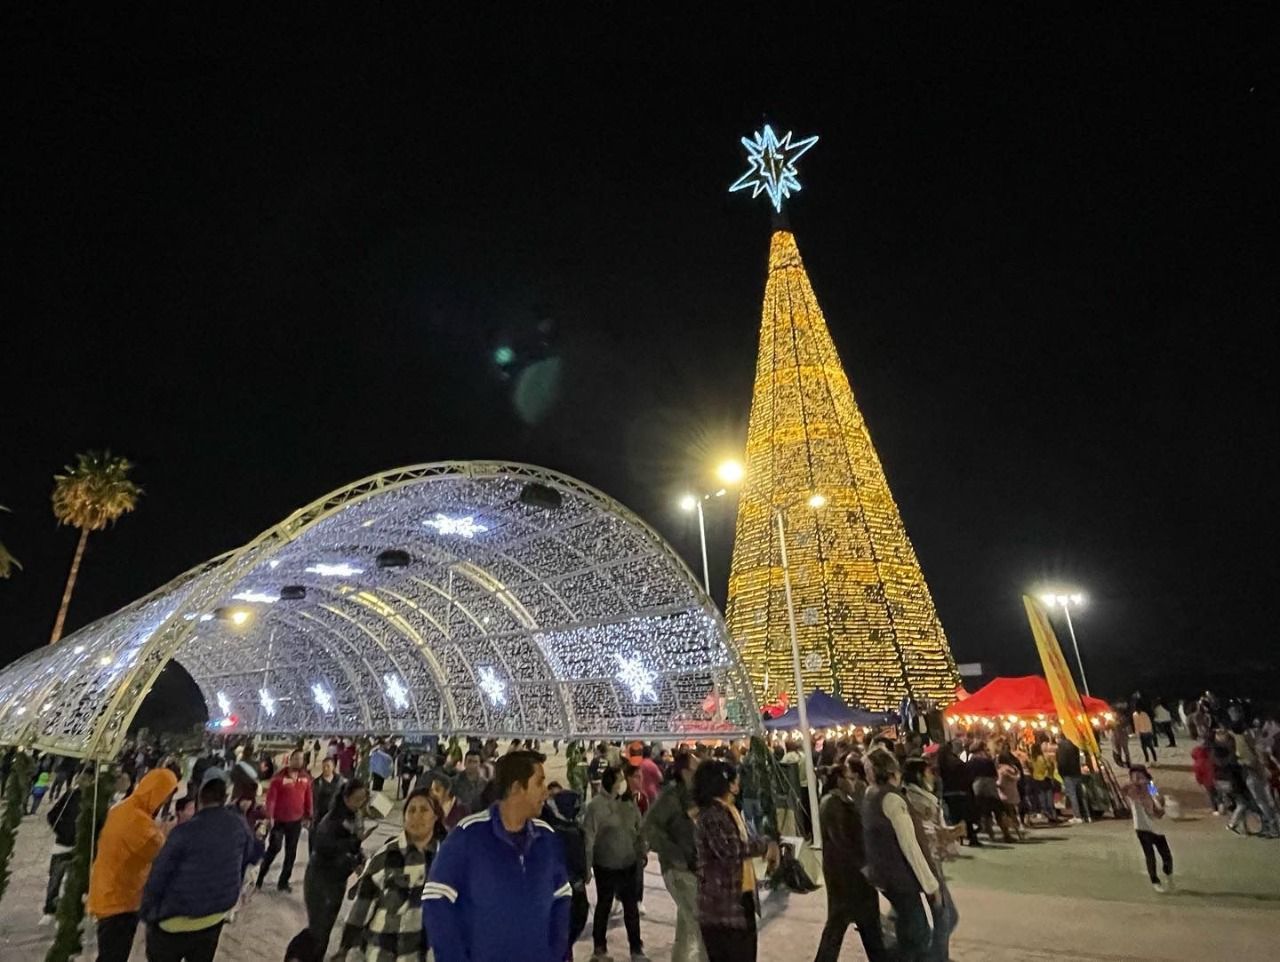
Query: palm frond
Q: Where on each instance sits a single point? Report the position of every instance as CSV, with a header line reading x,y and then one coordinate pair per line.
x,y
7,562
95,492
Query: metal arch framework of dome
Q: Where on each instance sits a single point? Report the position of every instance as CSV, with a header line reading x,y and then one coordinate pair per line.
x,y
481,598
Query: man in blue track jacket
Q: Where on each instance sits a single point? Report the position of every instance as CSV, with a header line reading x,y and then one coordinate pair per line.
x,y
498,889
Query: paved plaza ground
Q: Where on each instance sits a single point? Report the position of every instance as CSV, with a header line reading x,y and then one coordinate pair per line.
x,y
1070,893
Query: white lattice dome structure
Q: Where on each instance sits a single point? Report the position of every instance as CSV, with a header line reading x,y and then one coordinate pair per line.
x,y
461,597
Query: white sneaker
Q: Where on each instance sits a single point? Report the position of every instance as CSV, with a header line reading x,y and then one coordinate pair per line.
x,y
47,920
1159,888
1169,884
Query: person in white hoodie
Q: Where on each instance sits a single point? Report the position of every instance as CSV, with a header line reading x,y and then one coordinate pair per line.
x,y
1147,806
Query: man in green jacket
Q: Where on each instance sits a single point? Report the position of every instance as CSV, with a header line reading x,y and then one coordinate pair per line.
x,y
668,828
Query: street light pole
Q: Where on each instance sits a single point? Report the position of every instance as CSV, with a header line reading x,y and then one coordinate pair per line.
x,y
702,536
1071,630
807,740
729,473
1066,601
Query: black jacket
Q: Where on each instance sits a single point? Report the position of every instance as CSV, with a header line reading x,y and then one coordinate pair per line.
x,y
561,813
887,866
669,830
955,778
980,766
337,852
64,815
323,795
844,859
1068,759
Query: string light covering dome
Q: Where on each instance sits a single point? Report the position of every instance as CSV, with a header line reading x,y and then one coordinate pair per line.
x,y
505,614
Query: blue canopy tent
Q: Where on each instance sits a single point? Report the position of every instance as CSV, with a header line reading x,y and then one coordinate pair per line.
x,y
828,711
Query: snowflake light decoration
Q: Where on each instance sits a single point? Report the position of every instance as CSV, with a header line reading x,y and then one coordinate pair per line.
x,y
502,626
340,570
492,686
638,678
773,165
467,527
322,697
396,691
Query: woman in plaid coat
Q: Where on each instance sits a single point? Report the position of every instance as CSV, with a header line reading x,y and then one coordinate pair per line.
x,y
385,923
727,903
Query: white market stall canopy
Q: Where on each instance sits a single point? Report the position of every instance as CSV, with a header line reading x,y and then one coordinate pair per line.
x,y
457,597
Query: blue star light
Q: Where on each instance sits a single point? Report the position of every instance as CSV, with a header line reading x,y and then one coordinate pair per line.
x,y
773,165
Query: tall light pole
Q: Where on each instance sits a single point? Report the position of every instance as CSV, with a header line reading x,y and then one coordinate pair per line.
x,y
729,472
815,501
690,503
1065,602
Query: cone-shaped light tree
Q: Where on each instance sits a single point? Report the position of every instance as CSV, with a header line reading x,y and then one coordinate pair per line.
x,y
91,494
866,625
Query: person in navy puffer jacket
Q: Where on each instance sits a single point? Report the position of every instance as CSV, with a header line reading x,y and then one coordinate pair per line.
x,y
498,889
195,880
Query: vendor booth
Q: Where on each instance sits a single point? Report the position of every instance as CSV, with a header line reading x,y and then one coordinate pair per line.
x,y
1025,699
829,711
1021,707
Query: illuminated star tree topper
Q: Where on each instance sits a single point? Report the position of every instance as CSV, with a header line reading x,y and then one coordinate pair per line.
x,y
773,165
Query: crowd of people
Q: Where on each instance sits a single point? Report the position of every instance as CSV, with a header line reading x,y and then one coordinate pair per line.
x,y
493,861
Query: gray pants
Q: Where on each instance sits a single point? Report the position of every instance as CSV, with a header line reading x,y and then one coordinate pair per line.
x,y
1261,793
683,886
1073,789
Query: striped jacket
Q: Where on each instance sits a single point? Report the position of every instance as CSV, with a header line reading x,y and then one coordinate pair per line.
x,y
495,896
386,919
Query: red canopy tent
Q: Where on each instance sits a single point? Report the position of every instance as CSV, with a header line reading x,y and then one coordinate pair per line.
x,y
1025,697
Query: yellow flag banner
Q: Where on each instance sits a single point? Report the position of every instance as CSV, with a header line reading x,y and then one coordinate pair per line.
x,y
1072,717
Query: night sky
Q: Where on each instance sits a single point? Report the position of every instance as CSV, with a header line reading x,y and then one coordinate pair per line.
x,y
264,260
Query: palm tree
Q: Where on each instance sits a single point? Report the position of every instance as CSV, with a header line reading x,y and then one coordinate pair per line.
x,y
90,496
7,561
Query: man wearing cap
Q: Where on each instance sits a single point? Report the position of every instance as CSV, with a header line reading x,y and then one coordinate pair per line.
x,y
195,881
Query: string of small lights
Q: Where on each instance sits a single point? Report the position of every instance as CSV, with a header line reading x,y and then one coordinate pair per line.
x,y
865,620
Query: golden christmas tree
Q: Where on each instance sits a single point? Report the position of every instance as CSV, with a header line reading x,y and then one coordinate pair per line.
x,y
865,621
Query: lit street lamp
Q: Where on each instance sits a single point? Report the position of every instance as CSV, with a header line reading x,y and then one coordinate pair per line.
x,y
729,472
1065,602
815,501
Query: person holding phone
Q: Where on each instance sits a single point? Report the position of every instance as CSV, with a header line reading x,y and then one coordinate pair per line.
x,y
1147,805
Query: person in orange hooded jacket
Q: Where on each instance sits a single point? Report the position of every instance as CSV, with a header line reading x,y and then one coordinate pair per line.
x,y
129,843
